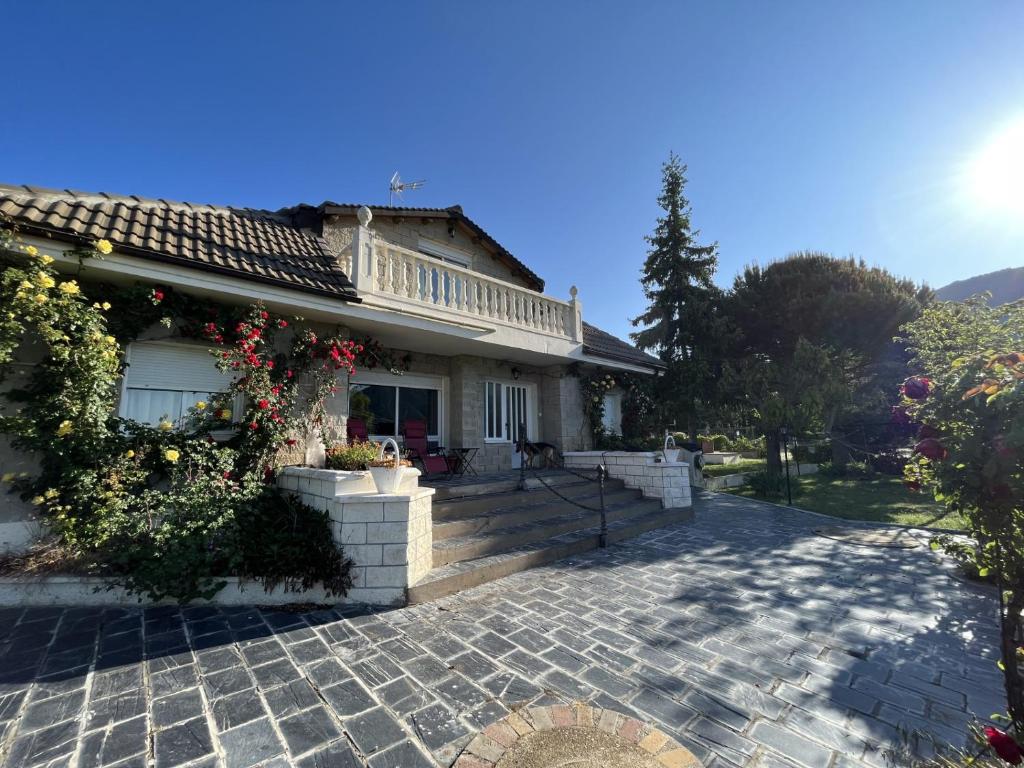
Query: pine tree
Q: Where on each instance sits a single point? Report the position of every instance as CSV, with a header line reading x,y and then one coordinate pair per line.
x,y
681,323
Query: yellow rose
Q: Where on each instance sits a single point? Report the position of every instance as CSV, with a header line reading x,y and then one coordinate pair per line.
x,y
106,305
45,281
39,298
129,454
224,413
38,500
201,405
25,285
32,250
171,455
104,247
8,477
46,260
165,425
70,288
51,493
65,428
110,340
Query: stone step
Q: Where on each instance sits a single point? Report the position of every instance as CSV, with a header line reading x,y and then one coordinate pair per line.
x,y
537,506
503,539
455,577
471,506
504,484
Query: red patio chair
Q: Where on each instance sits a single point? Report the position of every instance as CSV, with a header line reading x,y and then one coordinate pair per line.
x,y
415,432
356,429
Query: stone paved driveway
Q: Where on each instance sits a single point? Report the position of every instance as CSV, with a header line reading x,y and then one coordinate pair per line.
x,y
750,639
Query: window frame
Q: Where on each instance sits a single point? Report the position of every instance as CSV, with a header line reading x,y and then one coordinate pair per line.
x,y
409,381
237,402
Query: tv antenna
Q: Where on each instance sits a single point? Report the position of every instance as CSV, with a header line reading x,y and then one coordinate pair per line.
x,y
397,187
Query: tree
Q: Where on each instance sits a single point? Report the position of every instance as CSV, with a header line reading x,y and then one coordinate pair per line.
x,y
809,332
968,407
683,316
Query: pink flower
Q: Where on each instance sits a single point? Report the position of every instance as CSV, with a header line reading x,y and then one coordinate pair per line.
x,y
932,449
917,387
1003,745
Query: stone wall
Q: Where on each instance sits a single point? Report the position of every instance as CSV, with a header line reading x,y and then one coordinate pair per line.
x,y
388,537
667,481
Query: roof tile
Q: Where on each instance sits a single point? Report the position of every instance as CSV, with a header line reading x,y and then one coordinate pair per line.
x,y
251,243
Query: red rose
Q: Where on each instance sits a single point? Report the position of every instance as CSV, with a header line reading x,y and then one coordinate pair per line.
x,y
276,390
227,475
282,323
932,449
264,314
158,295
253,426
263,404
290,441
270,364
218,338
288,374
916,387
1003,745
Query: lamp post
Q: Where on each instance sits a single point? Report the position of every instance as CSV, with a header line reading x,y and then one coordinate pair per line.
x,y
784,432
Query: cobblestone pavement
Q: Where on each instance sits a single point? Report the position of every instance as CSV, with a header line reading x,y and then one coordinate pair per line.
x,y
745,636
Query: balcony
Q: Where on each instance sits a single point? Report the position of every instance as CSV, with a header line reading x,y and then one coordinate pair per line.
x,y
391,277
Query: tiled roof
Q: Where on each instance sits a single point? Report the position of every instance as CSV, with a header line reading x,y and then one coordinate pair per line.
x,y
602,344
452,212
242,242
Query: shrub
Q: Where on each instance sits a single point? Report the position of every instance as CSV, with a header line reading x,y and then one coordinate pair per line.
x,y
352,457
889,463
767,486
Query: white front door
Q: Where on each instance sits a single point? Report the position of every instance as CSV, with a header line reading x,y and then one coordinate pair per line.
x,y
508,408
518,418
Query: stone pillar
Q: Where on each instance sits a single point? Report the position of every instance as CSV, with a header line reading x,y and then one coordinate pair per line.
x,y
576,316
388,537
363,266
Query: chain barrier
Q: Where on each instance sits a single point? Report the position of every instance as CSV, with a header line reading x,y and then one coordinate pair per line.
x,y
601,473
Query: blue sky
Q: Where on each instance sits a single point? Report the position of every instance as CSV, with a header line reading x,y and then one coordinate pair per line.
x,y
834,126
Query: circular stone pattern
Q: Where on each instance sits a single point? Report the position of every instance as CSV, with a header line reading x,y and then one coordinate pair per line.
x,y
573,736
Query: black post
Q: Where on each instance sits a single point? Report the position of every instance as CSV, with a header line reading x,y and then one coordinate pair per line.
x,y
521,444
785,452
603,538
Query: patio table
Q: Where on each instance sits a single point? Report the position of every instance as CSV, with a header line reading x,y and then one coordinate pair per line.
x,y
463,460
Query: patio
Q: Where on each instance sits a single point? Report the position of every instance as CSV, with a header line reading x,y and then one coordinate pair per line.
x,y
745,636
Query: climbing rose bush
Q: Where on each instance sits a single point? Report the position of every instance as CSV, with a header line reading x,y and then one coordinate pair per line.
x,y
967,406
167,510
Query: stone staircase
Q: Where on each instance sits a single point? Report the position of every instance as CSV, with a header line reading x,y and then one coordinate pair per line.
x,y
489,529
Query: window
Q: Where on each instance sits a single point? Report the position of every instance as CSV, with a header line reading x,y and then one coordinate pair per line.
x,y
386,407
164,379
495,423
612,420
443,253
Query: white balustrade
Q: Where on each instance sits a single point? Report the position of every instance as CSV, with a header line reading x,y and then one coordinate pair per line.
x,y
412,276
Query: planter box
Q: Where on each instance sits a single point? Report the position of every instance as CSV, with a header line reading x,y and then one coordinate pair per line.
x,y
721,458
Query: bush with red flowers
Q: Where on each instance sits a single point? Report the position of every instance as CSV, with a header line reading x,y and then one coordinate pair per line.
x,y
969,403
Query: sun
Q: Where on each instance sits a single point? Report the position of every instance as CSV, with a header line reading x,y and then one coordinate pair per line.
x,y
997,171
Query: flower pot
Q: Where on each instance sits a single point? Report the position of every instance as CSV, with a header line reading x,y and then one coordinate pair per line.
x,y
395,479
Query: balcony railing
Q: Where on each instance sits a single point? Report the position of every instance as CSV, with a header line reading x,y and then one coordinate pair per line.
x,y
390,271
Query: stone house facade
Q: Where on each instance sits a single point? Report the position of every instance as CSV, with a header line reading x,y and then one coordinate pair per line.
x,y
488,349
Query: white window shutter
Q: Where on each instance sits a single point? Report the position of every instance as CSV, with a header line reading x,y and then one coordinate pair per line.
x,y
164,380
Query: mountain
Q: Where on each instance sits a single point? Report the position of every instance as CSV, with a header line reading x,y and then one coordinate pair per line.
x,y
1005,285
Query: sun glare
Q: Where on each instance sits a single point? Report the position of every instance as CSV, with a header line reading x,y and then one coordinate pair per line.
x,y
997,171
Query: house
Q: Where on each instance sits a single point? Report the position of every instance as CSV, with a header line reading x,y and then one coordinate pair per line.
x,y
488,348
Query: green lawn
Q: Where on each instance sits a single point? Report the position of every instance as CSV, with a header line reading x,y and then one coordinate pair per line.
x,y
881,499
743,465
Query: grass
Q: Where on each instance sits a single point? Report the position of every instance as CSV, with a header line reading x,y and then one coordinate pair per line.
x,y
881,499
743,465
